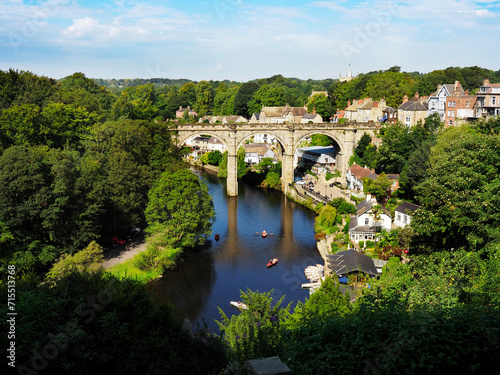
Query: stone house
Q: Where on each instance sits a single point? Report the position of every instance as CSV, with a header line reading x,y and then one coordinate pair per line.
x,y
255,152
180,112
323,159
412,111
311,117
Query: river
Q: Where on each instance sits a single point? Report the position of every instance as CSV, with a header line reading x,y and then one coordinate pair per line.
x,y
212,277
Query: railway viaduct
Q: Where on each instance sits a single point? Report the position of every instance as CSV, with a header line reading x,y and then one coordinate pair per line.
x,y
233,136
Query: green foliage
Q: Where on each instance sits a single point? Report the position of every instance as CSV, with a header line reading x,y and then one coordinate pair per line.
x,y
380,187
87,260
460,194
319,103
254,333
214,157
180,210
223,166
321,140
99,324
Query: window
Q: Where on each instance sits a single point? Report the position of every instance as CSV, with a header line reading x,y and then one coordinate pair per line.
x,y
367,221
493,100
453,113
450,122
449,103
408,120
449,113
453,103
405,218
467,104
399,217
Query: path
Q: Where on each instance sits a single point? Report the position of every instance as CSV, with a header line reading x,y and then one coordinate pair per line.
x,y
124,252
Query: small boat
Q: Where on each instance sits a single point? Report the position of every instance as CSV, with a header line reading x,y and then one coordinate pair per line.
x,y
217,236
264,234
239,305
272,262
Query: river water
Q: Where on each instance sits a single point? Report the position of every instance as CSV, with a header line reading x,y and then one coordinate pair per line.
x,y
210,278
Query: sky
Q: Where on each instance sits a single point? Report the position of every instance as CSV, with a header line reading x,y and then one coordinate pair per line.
x,y
242,40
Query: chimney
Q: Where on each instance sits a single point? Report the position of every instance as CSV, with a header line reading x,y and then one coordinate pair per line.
x,y
416,95
405,98
189,107
368,197
180,107
375,104
486,82
348,103
466,92
457,87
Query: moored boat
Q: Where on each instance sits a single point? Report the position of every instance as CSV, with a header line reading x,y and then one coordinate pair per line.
x,y
217,236
239,305
272,262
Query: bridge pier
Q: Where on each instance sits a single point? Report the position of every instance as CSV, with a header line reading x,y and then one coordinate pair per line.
x,y
232,175
286,172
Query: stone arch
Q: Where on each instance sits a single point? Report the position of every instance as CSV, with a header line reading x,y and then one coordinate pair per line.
x,y
241,139
323,132
182,139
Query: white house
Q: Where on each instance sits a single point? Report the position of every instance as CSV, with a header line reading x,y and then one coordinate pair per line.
x,y
436,102
354,176
256,152
264,138
404,213
362,226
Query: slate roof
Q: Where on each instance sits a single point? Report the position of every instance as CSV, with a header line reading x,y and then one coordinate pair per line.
x,y
349,261
309,116
407,206
413,105
366,205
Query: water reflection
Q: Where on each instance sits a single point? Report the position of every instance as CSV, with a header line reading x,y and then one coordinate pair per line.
x,y
211,278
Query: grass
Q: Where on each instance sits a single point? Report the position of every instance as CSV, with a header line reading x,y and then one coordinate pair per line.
x,y
128,270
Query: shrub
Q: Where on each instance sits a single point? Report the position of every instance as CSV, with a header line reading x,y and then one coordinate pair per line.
x,y
361,244
370,244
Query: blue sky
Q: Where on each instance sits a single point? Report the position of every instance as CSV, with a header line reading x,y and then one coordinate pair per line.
x,y
245,39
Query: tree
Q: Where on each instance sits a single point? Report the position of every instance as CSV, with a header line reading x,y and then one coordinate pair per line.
x,y
318,103
380,187
460,195
390,85
87,260
321,140
243,97
204,98
180,209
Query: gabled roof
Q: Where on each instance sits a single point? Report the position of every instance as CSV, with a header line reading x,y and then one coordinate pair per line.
x,y
310,116
256,115
259,148
407,206
367,205
413,105
299,111
349,261
359,172
235,118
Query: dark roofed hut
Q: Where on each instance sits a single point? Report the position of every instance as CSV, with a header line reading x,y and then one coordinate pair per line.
x,y
351,261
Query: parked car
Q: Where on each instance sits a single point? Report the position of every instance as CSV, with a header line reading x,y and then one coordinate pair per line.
x,y
335,184
118,241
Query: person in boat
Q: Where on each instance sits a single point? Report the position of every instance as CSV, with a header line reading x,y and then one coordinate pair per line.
x,y
264,233
217,236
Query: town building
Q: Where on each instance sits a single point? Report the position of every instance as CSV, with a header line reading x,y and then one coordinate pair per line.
x,y
488,100
180,112
411,111
436,103
319,159
256,152
264,138
404,213
354,176
365,225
